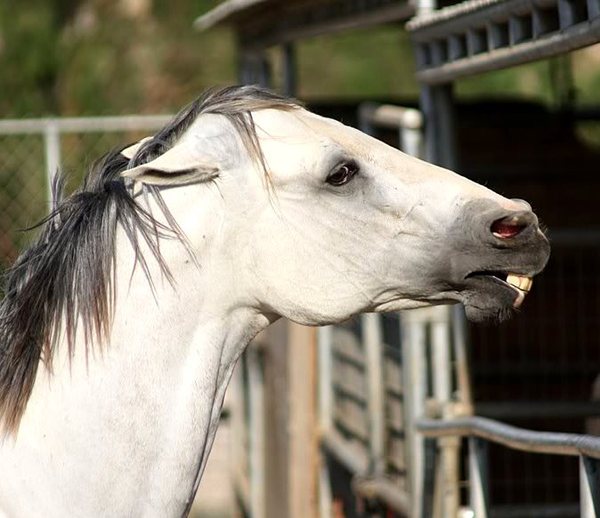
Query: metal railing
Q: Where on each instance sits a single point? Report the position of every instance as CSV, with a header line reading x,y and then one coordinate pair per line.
x,y
479,430
476,36
436,383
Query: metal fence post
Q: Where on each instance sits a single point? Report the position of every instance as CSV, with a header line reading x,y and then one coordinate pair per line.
x,y
478,478
375,390
589,480
256,433
414,370
325,396
448,465
289,70
52,151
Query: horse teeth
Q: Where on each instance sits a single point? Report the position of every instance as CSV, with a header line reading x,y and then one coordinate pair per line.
x,y
519,281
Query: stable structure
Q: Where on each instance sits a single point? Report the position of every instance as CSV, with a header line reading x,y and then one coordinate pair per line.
x,y
397,425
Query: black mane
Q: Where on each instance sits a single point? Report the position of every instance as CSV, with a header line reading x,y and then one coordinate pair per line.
x,y
65,281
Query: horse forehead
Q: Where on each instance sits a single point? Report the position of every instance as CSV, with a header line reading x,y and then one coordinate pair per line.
x,y
303,128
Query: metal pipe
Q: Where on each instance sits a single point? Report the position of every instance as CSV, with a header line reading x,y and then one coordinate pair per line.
x,y
442,392
390,116
513,437
478,477
567,40
84,124
256,433
325,496
53,158
589,480
325,381
414,373
371,328
289,70
325,409
463,374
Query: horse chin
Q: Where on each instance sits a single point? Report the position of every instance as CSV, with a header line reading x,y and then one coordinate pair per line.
x,y
489,314
492,306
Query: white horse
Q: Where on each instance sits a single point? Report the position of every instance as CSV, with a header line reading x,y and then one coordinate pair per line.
x,y
121,326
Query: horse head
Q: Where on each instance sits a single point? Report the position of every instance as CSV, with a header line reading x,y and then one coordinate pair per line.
x,y
321,221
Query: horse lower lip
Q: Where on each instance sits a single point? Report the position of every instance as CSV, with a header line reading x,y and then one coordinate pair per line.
x,y
520,298
520,284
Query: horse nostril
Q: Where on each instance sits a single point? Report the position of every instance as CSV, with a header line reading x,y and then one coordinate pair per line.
x,y
510,226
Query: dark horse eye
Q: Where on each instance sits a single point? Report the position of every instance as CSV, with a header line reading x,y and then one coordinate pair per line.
x,y
343,174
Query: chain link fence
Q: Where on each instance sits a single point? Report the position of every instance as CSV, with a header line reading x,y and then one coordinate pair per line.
x,y
32,150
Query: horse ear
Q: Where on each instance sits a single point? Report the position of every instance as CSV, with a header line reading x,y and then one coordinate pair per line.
x,y
129,152
175,167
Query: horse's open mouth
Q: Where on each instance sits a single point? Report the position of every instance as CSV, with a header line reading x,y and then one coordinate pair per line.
x,y
521,284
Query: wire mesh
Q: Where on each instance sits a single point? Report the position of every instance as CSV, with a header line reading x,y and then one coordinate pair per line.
x,y
24,184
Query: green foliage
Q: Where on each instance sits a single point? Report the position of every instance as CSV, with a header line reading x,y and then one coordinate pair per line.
x,y
93,57
366,63
76,57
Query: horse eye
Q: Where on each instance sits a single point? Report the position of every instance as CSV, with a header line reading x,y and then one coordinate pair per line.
x,y
343,174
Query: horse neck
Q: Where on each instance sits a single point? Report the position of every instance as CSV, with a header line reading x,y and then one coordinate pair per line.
x,y
147,405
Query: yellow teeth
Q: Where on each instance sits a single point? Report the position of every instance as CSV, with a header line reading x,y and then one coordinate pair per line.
x,y
521,282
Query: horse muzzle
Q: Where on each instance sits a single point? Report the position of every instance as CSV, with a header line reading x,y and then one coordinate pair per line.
x,y
496,254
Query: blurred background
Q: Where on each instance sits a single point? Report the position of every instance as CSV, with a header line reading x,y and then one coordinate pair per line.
x,y
79,77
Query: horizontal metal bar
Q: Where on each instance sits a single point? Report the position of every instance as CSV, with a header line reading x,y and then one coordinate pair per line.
x,y
224,12
463,15
568,40
499,34
390,116
384,490
512,437
84,124
285,22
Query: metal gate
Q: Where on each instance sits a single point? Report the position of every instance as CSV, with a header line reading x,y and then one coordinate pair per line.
x,y
397,412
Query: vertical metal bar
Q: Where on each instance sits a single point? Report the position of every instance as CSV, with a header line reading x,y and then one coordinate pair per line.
x,y
437,107
440,349
257,433
425,6
289,70
325,496
52,150
325,402
411,141
589,480
414,369
254,68
463,374
364,119
325,381
478,477
449,477
371,331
